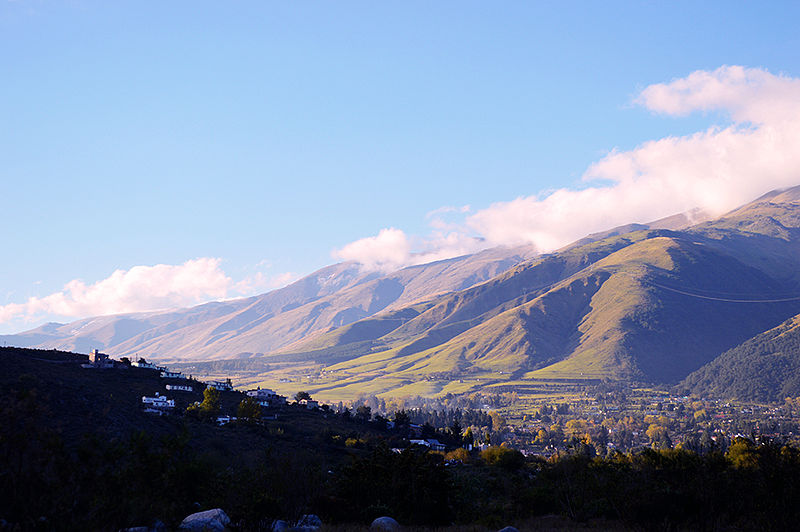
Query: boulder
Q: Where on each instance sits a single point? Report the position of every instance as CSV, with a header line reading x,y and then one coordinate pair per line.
x,y
280,526
214,520
385,524
309,521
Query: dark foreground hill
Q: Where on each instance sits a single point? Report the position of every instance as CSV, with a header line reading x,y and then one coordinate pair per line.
x,y
75,454
77,451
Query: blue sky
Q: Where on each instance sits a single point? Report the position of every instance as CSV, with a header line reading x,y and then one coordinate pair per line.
x,y
267,137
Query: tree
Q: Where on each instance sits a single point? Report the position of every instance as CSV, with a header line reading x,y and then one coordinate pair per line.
x,y
401,418
363,413
380,421
468,436
455,431
299,396
498,421
460,454
209,408
742,454
659,436
504,457
249,409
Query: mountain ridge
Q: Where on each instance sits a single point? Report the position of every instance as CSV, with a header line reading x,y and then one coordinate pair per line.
x,y
646,302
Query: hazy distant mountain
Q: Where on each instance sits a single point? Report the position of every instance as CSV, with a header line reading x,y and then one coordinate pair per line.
x,y
331,297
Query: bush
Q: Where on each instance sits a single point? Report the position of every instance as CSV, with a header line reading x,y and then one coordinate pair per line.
x,y
504,457
460,454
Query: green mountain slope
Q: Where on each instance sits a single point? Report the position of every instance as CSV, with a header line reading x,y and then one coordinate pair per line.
x,y
619,318
764,368
651,305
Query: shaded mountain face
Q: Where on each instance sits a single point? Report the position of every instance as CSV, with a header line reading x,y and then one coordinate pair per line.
x,y
765,368
644,302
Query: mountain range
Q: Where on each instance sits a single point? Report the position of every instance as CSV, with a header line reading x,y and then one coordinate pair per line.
x,y
644,302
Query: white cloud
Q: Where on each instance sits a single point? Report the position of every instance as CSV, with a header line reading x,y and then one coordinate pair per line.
x,y
748,94
716,170
388,250
145,288
447,209
391,249
137,289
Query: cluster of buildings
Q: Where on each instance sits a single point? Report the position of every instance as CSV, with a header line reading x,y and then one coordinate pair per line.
x,y
161,404
266,397
157,405
98,360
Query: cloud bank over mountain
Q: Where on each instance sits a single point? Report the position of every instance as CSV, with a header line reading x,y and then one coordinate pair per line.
x,y
144,288
715,170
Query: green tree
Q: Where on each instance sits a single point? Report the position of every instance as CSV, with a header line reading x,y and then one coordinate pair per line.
x,y
455,432
401,418
210,407
504,457
498,421
249,409
363,413
742,454
468,436
299,396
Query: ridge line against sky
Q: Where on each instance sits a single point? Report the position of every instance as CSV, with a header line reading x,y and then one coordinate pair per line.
x,y
161,158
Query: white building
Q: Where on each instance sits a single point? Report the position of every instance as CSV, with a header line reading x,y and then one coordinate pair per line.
x,y
266,397
142,363
170,374
179,387
100,360
433,444
221,385
159,402
310,403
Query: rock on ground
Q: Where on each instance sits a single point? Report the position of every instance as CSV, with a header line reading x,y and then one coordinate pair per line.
x,y
280,526
309,520
385,524
214,520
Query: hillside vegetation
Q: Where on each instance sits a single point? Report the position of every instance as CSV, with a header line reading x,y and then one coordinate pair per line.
x,y
80,455
765,368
